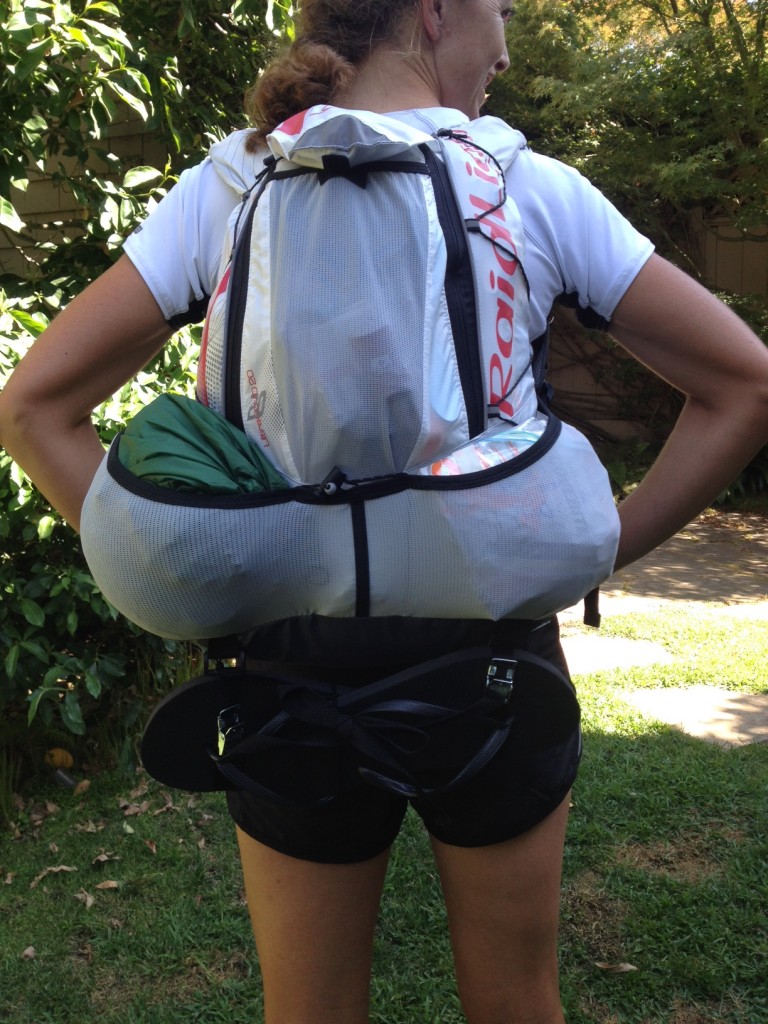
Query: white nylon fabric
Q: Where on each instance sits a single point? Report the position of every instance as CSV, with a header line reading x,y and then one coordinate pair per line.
x,y
498,259
364,136
525,546
348,356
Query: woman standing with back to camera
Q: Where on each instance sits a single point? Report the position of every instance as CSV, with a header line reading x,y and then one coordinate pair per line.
x,y
314,879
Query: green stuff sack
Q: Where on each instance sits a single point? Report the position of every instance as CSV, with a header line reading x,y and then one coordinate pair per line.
x,y
177,443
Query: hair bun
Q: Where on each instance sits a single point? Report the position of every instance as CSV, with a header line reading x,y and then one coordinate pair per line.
x,y
308,74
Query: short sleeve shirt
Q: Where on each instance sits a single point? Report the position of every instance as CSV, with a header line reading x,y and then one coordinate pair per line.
x,y
577,243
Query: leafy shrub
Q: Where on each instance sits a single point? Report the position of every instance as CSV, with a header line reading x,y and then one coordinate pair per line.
x,y
67,652
68,70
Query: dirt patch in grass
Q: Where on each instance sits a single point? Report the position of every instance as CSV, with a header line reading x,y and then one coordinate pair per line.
x,y
690,1015
591,918
678,1014
684,860
111,992
597,1012
715,1013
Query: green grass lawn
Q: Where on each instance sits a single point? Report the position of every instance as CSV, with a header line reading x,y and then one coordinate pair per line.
x,y
124,904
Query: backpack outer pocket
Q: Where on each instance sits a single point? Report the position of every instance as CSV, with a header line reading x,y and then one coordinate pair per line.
x,y
190,567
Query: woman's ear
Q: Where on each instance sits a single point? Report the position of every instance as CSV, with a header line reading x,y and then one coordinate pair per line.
x,y
432,18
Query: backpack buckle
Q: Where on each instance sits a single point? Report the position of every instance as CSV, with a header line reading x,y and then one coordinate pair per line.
x,y
230,728
500,680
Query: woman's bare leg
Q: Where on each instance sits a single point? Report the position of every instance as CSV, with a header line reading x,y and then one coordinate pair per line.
x,y
314,926
503,906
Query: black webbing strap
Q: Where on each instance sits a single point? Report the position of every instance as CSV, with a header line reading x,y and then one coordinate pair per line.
x,y
592,608
381,728
388,728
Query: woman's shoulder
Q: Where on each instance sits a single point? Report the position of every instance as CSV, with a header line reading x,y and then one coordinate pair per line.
x,y
234,162
557,200
559,180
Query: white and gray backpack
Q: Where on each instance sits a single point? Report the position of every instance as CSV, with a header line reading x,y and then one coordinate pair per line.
x,y
369,342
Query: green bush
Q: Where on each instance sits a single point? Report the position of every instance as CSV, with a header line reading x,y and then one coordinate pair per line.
x,y
69,71
67,654
69,663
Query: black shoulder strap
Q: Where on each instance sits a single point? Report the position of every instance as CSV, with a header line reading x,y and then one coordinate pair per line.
x,y
460,293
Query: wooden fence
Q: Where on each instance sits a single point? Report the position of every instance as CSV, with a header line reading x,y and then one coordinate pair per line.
x,y
732,260
48,208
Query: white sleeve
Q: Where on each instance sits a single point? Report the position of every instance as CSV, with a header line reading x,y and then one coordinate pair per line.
x,y
177,249
578,245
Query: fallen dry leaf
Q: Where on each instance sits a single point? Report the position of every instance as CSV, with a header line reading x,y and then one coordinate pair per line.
x,y
131,810
9,878
104,858
109,884
615,968
50,871
90,826
29,953
169,805
86,898
82,787
151,845
37,815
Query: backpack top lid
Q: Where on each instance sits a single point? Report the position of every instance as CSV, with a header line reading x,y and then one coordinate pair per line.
x,y
369,136
358,135
363,136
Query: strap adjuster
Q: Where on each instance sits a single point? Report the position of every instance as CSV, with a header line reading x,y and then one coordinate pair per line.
x,y
500,680
223,654
230,728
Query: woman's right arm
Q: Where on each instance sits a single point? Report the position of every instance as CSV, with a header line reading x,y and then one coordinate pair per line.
x,y
101,340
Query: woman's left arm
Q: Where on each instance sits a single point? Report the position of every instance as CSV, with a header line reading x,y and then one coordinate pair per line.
x,y
688,337
101,340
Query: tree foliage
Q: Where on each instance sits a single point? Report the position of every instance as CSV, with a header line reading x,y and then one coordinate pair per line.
x,y
662,103
67,72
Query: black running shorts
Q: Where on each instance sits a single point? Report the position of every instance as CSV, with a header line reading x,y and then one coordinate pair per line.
x,y
511,794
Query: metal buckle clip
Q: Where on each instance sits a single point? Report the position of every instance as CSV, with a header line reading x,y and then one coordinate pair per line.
x,y
231,727
500,681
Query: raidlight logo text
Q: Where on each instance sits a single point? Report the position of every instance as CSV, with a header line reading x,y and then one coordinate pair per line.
x,y
501,364
257,407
